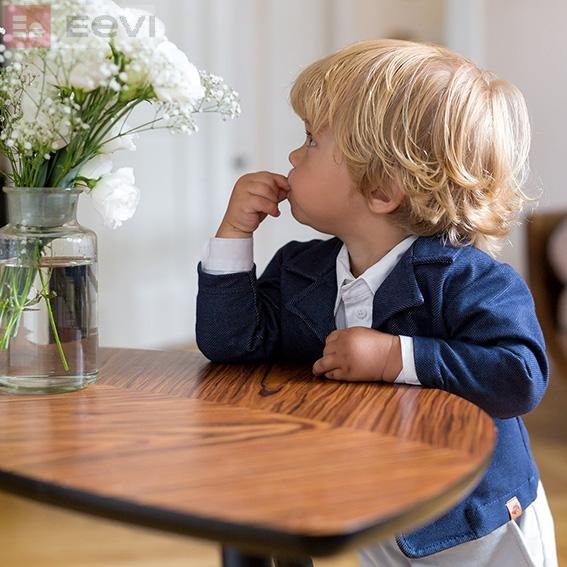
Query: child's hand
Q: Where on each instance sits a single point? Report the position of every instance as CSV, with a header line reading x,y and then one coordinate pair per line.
x,y
360,354
254,196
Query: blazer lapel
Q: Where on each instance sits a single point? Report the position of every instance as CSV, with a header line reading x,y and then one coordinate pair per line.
x,y
315,305
399,291
317,287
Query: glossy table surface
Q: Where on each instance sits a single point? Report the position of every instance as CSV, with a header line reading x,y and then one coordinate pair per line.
x,y
265,457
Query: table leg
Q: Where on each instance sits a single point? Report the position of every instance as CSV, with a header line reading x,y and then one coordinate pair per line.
x,y
232,557
281,562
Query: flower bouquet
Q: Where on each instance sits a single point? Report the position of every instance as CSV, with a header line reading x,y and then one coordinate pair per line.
x,y
69,98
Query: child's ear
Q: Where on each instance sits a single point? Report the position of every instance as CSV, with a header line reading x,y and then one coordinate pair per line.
x,y
380,202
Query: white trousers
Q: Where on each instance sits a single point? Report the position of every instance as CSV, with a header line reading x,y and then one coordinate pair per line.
x,y
528,541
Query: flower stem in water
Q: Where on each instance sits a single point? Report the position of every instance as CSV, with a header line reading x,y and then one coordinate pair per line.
x,y
52,320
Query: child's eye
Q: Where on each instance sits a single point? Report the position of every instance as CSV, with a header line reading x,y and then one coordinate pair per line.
x,y
309,141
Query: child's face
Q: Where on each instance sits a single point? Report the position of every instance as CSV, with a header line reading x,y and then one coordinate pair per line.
x,y
323,194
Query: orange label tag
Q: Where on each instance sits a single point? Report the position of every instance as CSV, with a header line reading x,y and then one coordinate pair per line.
x,y
514,508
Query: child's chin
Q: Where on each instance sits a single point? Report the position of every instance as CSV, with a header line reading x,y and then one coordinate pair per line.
x,y
298,215
305,222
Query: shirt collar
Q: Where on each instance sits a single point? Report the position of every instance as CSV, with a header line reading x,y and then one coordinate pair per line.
x,y
375,275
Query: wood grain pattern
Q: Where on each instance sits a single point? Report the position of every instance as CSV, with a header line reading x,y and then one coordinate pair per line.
x,y
264,456
406,412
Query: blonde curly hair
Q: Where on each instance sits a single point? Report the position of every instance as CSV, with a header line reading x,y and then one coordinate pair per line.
x,y
453,137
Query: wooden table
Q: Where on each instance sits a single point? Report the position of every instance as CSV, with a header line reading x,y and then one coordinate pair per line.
x,y
264,458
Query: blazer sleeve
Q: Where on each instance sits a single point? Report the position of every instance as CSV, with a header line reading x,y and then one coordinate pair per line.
x,y
238,315
494,355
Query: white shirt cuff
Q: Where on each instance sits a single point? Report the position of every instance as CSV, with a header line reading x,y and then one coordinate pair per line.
x,y
228,255
408,375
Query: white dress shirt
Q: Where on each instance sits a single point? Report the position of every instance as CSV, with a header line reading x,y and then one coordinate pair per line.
x,y
355,296
355,299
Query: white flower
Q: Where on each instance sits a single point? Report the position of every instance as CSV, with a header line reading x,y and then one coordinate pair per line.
x,y
97,167
119,142
116,197
91,72
83,62
173,76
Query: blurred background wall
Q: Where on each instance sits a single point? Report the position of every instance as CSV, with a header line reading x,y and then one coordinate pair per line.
x,y
148,268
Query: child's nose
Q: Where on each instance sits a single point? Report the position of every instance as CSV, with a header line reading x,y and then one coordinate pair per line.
x,y
293,157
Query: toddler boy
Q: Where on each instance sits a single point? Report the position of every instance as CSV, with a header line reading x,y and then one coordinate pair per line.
x,y
414,162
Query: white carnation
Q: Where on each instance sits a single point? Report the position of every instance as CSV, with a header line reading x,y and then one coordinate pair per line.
x,y
116,197
90,70
173,77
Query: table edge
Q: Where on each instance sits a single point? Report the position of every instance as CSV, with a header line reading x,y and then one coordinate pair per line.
x,y
243,536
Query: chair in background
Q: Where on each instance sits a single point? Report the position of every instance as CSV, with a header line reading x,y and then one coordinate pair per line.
x,y
546,284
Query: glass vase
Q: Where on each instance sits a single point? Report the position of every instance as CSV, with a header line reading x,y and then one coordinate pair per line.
x,y
48,294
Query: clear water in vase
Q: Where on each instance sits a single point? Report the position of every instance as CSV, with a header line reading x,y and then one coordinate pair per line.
x,y
49,328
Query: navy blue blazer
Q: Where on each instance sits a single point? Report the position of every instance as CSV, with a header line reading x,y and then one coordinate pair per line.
x,y
475,334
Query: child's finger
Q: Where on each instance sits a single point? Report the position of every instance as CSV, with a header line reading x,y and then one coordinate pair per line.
x,y
329,349
267,191
274,180
260,204
332,375
316,367
281,181
325,364
332,336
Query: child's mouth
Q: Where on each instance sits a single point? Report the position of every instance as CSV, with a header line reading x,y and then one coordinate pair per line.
x,y
289,181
